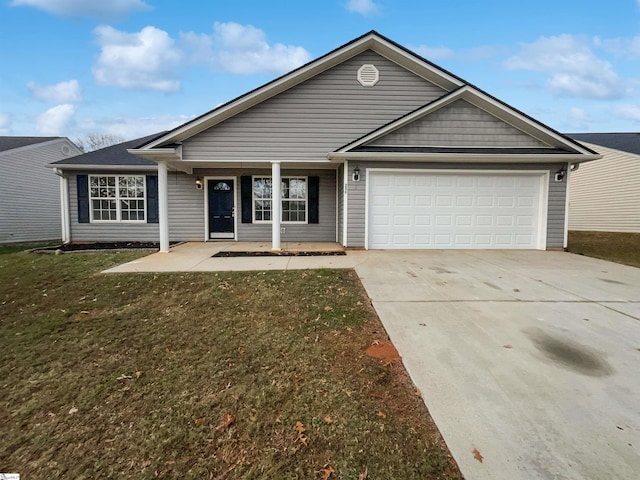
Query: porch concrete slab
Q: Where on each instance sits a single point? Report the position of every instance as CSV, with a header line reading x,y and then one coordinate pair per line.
x,y
541,387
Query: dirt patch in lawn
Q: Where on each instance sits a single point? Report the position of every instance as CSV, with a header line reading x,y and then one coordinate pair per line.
x,y
613,246
385,352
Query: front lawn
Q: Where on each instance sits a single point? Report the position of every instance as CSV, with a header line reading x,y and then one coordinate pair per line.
x,y
615,247
236,375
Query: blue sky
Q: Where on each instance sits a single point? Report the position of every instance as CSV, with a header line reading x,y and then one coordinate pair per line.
x,y
135,67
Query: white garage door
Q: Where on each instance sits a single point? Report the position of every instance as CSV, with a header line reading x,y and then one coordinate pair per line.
x,y
454,210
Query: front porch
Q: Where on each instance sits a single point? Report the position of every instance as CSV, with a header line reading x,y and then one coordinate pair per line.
x,y
199,257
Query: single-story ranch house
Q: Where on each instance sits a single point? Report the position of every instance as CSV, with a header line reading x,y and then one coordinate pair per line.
x,y
370,146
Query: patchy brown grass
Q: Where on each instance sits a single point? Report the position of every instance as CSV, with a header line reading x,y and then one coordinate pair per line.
x,y
615,247
235,375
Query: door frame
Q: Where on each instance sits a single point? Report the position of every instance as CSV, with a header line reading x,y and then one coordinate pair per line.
x,y
206,179
543,200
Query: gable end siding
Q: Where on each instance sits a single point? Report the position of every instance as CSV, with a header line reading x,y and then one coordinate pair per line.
x,y
459,124
316,117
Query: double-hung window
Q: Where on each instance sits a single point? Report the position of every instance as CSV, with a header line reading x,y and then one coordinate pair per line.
x,y
293,191
117,198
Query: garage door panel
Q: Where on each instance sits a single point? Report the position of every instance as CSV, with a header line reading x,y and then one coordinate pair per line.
x,y
431,210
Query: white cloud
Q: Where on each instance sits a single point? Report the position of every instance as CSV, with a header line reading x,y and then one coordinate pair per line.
x,y
63,92
363,7
5,120
130,128
242,49
579,118
626,47
573,68
143,60
55,120
628,111
86,8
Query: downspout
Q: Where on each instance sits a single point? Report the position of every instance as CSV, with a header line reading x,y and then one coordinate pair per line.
x,y
64,206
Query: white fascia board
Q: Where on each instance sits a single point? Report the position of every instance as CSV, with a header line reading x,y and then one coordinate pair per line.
x,y
42,144
115,168
157,154
462,157
371,41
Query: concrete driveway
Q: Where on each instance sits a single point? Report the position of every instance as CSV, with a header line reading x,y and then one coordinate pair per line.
x,y
528,361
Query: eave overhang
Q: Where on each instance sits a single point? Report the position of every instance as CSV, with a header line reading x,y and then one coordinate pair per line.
x,y
439,157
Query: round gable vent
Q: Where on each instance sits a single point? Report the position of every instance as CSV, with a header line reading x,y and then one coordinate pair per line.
x,y
66,151
368,75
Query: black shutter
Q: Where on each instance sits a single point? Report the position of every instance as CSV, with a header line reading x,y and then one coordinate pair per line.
x,y
314,199
246,194
152,199
83,198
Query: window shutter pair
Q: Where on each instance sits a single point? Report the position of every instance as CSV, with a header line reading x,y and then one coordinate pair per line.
x,y
83,198
246,194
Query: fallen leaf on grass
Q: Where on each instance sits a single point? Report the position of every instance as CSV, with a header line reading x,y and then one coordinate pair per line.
x,y
328,308
507,346
364,475
382,414
300,427
326,472
199,421
138,374
327,420
477,455
73,410
348,393
228,421
124,377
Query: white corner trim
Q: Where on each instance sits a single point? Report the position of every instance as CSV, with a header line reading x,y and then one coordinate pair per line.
x,y
345,202
567,192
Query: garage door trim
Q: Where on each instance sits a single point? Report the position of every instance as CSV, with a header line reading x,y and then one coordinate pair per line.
x,y
541,243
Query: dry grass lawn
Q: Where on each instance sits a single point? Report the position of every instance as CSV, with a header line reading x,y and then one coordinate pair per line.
x,y
235,376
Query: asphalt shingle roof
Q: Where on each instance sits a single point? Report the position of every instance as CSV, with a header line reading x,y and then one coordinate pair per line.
x,y
626,142
113,155
9,143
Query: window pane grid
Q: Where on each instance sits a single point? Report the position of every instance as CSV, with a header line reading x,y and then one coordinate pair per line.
x,y
117,198
294,199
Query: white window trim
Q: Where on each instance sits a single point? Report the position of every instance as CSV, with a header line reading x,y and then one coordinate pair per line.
x,y
288,222
117,199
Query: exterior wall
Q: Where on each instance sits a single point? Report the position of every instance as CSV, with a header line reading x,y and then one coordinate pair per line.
x,y
356,193
604,194
459,124
30,192
107,232
316,116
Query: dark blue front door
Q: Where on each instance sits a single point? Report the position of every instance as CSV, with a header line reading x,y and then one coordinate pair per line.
x,y
221,211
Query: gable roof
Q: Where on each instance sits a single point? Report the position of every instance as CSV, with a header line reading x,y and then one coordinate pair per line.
x,y
9,143
626,142
369,41
112,156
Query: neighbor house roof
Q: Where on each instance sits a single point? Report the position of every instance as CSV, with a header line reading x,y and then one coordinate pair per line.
x,y
112,156
9,143
626,142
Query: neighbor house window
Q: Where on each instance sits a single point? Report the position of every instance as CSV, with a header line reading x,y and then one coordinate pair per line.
x,y
116,198
294,199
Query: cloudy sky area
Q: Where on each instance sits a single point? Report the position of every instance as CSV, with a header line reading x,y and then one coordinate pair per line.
x,y
135,67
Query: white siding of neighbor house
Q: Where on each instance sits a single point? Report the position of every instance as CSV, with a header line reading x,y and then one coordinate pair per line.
x,y
459,124
604,195
315,117
356,192
187,212
30,192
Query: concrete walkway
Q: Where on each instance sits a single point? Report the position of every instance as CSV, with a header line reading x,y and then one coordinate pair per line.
x,y
528,361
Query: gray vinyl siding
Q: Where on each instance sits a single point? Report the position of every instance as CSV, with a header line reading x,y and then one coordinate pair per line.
x,y
340,198
356,193
186,208
30,193
459,124
315,117
107,231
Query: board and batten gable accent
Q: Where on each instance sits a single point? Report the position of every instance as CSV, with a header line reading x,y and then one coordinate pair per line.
x,y
356,209
315,117
30,192
604,194
459,124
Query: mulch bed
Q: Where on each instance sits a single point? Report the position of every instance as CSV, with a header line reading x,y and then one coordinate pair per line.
x,y
278,254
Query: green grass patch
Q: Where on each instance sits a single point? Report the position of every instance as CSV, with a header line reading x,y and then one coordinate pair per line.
x,y
616,247
201,375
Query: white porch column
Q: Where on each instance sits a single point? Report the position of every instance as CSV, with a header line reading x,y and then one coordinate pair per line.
x,y
276,205
163,206
64,208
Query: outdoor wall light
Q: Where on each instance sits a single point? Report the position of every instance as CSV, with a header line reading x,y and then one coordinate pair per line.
x,y
560,174
198,183
356,174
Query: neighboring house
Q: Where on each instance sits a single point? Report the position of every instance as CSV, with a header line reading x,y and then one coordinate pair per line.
x,y
30,193
370,146
605,195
